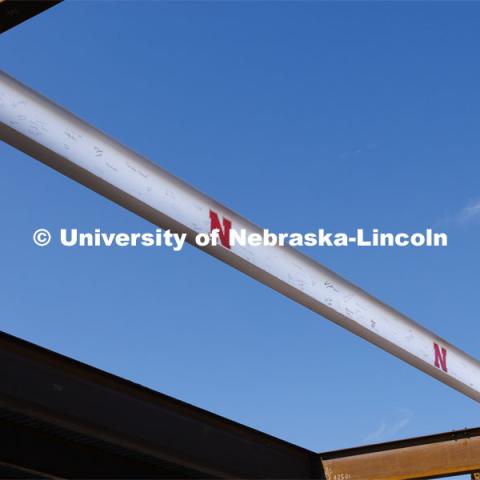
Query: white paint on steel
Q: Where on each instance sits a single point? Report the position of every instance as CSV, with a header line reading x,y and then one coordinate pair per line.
x,y
46,131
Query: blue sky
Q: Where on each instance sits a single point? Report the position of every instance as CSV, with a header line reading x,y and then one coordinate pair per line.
x,y
298,116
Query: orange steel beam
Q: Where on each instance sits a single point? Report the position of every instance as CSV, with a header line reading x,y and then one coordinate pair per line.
x,y
419,458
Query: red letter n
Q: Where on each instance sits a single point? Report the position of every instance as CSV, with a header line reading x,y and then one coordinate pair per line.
x,y
223,233
440,357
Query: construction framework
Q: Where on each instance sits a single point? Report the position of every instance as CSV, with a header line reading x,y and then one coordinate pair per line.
x,y
49,133
61,418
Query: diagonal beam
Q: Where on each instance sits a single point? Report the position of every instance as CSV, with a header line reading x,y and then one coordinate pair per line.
x,y
14,12
54,136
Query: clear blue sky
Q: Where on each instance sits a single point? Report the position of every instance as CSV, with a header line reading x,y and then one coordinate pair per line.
x,y
298,116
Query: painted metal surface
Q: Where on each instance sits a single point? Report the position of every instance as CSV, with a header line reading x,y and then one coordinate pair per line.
x,y
54,136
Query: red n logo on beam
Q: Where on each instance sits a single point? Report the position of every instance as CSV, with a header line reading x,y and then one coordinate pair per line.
x,y
440,357
223,232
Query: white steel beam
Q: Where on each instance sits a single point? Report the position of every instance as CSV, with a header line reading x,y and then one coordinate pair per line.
x,y
54,136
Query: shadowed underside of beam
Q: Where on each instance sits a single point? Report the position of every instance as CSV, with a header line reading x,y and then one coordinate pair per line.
x,y
12,13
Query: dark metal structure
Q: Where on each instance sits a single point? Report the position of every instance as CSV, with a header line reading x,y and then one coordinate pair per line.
x,y
60,418
13,12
